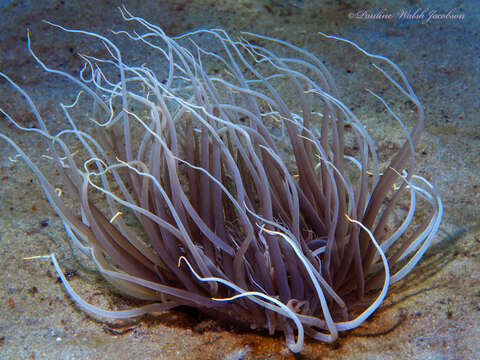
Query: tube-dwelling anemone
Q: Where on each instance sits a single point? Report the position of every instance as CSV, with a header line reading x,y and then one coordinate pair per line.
x,y
228,193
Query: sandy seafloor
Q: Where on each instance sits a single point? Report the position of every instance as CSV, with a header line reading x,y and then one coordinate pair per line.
x,y
434,312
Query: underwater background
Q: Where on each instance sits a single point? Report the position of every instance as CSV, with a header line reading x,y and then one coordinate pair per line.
x,y
432,314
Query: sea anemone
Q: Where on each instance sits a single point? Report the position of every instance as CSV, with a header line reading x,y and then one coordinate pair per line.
x,y
236,192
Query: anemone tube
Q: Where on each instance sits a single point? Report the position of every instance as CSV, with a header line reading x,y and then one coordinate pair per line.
x,y
244,202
